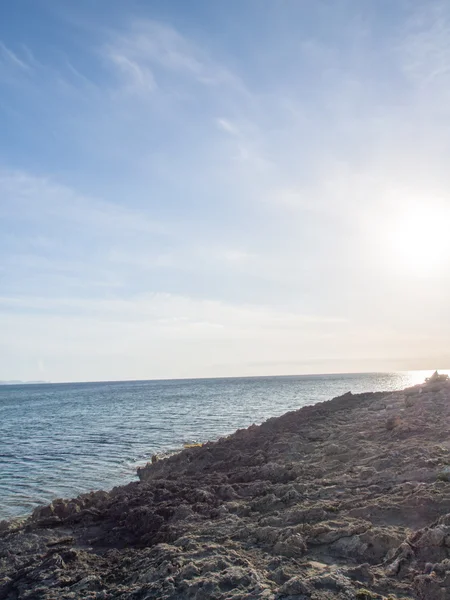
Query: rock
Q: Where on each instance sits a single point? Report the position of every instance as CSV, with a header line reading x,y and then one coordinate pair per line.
x,y
142,520
332,580
443,475
4,526
292,546
43,512
393,422
295,586
91,582
6,585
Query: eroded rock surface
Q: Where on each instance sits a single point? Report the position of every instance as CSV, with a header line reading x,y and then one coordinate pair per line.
x,y
347,499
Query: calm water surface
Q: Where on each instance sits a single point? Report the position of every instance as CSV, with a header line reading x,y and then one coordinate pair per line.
x,y
59,440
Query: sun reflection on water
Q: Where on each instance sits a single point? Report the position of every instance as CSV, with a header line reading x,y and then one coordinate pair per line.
x,y
415,377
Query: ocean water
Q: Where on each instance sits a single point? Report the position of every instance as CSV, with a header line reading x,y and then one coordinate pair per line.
x,y
60,440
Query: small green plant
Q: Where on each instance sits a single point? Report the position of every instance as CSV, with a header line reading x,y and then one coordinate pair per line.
x,y
363,594
444,475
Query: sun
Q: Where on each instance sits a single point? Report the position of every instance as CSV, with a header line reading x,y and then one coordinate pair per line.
x,y
420,239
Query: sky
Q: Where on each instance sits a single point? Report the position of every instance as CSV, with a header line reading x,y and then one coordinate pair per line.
x,y
202,189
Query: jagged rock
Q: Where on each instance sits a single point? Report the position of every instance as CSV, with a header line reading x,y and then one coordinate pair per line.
x,y
142,520
296,586
292,546
393,422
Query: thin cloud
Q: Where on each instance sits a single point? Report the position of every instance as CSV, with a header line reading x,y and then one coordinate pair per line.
x,y
425,47
164,307
30,197
147,47
138,78
238,256
229,127
13,58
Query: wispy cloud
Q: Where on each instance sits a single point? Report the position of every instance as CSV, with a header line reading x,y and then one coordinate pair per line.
x,y
229,127
148,48
169,309
138,78
12,58
425,47
30,197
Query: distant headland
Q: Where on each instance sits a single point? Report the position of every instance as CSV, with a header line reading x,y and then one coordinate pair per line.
x,y
19,382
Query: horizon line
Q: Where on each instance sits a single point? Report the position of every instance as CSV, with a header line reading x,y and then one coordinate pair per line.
x,y
6,383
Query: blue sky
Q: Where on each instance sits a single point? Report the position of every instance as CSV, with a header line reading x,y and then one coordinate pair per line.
x,y
203,188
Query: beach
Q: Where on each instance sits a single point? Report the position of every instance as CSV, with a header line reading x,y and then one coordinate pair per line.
x,y
349,498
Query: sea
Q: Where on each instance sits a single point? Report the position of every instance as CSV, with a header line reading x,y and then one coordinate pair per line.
x,y
61,440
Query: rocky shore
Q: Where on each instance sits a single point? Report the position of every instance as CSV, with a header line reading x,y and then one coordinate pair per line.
x,y
347,499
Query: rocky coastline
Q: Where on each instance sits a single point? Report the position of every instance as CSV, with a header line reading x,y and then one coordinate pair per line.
x,y
346,499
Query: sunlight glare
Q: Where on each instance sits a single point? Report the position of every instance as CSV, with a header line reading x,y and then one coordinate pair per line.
x,y
420,240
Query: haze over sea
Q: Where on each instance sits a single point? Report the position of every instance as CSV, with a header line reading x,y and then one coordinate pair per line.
x,y
59,440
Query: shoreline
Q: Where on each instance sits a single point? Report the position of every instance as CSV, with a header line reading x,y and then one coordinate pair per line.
x,y
38,468
348,498
126,479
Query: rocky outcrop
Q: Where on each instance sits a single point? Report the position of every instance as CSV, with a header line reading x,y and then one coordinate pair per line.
x,y
345,499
